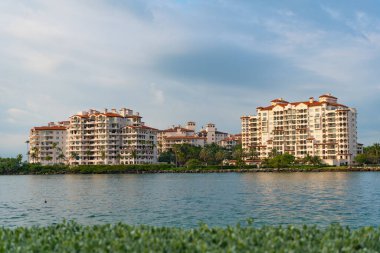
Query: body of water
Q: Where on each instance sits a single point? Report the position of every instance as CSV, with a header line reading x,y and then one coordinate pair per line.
x,y
350,198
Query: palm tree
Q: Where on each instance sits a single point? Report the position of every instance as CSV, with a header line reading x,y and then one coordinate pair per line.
x,y
134,155
316,160
102,154
118,157
61,157
54,147
74,155
88,154
252,153
48,158
35,153
27,150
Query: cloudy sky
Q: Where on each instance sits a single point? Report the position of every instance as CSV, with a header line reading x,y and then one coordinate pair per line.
x,y
174,61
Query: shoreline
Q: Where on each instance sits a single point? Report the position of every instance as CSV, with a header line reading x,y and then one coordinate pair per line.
x,y
201,170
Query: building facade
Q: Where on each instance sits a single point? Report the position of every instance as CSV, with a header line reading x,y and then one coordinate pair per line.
x,y
212,134
109,137
230,142
179,135
322,128
47,144
187,134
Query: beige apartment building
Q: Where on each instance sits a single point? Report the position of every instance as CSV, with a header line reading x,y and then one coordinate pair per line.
x,y
187,134
108,137
231,141
47,144
179,135
212,135
322,128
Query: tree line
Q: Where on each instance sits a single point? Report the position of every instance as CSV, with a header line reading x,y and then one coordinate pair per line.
x,y
371,155
11,165
193,156
186,155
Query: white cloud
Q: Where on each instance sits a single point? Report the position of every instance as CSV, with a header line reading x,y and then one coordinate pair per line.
x,y
59,57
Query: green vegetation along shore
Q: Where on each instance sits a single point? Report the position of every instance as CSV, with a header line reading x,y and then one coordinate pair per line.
x,y
191,159
36,169
73,237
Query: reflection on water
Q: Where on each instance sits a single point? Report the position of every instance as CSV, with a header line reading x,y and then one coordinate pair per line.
x,y
351,198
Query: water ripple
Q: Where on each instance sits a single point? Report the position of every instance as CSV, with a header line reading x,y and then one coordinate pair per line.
x,y
186,199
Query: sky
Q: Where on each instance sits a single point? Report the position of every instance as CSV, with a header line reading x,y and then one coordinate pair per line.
x,y
181,60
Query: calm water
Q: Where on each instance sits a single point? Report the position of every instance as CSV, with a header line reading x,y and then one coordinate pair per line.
x,y
185,199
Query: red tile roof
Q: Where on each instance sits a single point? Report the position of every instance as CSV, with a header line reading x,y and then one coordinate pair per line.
x,y
133,116
110,114
307,103
175,129
183,138
143,127
279,100
327,96
42,128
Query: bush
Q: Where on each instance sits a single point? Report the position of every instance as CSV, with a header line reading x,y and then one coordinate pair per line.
x,y
73,237
193,163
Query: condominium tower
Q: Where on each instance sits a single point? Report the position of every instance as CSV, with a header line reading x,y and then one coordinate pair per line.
x,y
94,137
322,128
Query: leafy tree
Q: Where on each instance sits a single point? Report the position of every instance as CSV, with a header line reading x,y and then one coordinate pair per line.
x,y
238,154
273,153
252,154
11,165
167,156
48,158
205,155
280,161
184,152
220,156
315,160
193,163
371,155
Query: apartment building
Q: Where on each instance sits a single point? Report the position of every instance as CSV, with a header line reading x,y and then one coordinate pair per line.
x,y
179,135
47,144
108,137
138,145
322,128
188,134
231,141
212,134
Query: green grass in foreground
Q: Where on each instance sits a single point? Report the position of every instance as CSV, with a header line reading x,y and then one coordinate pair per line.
x,y
72,237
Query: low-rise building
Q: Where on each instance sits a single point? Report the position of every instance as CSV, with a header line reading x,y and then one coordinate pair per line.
x,y
179,135
187,134
231,141
360,148
212,134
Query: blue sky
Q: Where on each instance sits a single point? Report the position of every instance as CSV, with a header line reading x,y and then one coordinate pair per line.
x,y
174,61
